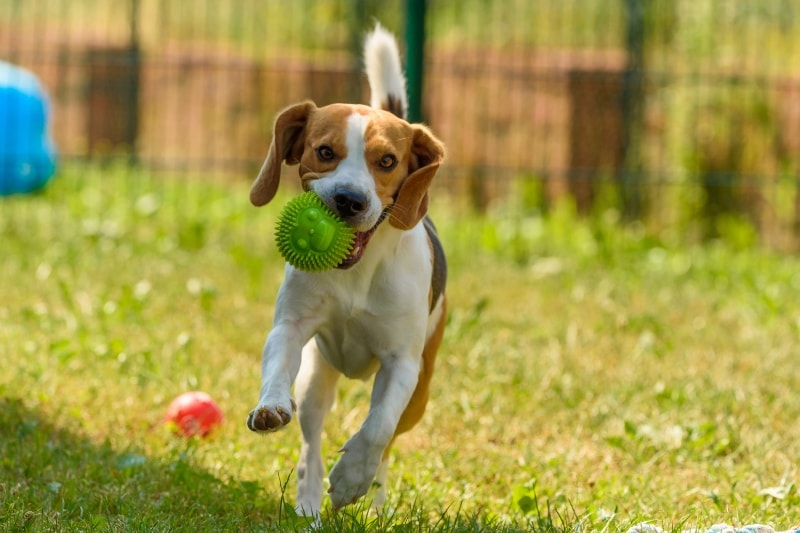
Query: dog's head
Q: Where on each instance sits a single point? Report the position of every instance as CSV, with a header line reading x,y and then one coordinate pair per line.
x,y
364,163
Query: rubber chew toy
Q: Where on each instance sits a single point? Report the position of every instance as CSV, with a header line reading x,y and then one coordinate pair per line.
x,y
310,236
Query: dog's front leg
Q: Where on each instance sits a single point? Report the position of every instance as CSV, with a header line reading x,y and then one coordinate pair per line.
x,y
352,475
294,325
280,361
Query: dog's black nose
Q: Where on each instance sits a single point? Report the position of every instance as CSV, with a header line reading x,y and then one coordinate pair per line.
x,y
349,203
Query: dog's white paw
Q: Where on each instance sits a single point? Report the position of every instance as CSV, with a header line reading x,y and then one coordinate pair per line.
x,y
352,475
267,418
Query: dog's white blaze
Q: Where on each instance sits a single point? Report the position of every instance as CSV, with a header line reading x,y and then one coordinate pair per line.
x,y
354,166
353,174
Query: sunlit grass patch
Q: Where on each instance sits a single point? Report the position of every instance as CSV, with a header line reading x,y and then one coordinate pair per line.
x,y
590,375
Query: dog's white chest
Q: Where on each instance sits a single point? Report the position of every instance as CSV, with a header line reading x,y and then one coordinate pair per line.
x,y
369,318
349,345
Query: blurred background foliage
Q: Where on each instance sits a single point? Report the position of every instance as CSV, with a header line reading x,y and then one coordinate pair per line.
x,y
680,115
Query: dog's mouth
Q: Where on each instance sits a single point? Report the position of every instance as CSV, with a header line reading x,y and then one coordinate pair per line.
x,y
360,244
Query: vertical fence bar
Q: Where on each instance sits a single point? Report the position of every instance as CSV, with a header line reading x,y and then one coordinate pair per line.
x,y
134,66
358,24
415,56
633,110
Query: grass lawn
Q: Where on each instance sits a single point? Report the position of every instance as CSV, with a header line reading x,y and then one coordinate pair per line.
x,y
590,376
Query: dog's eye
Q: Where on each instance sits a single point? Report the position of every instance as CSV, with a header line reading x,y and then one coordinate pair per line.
x,y
388,161
325,153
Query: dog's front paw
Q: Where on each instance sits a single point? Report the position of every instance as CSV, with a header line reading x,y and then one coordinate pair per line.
x,y
352,475
270,417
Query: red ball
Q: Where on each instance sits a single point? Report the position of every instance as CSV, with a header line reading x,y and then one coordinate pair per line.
x,y
193,413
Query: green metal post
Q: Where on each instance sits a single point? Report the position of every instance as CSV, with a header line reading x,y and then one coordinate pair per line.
x,y
358,25
415,56
633,96
133,68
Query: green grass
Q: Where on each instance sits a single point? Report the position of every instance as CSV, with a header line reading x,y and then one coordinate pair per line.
x,y
591,376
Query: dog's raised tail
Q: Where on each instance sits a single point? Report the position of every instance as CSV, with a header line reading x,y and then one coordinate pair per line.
x,y
384,72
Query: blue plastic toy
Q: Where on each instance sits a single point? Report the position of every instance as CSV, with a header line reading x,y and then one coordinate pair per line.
x,y
27,152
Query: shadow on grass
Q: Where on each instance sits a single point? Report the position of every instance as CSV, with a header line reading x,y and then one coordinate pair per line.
x,y
55,480
52,479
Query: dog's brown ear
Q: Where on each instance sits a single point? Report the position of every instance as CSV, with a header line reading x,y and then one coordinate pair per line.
x,y
287,145
411,203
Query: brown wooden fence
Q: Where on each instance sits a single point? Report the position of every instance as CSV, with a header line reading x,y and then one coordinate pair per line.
x,y
508,109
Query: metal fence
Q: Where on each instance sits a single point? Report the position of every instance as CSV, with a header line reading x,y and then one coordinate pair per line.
x,y
669,111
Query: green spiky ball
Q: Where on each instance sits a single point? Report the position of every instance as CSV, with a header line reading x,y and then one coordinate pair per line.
x,y
310,236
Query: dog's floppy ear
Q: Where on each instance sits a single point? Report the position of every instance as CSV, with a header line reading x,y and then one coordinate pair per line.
x,y
287,145
411,202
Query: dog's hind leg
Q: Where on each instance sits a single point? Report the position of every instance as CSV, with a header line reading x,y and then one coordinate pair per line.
x,y
419,400
416,406
315,391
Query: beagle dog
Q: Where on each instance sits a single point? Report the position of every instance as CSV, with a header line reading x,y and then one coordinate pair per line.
x,y
382,311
